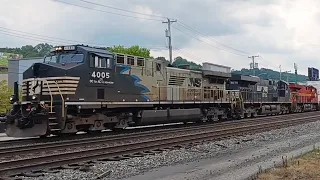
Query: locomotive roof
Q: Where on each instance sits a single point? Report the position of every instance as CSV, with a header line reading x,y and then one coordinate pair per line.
x,y
95,50
239,77
98,50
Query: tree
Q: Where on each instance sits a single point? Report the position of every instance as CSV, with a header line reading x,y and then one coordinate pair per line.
x,y
43,49
133,50
161,58
5,93
265,73
27,51
181,61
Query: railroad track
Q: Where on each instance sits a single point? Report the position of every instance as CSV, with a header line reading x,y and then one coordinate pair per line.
x,y
56,145
140,148
20,142
107,140
85,137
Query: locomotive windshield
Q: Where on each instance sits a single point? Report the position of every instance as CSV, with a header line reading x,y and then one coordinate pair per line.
x,y
64,58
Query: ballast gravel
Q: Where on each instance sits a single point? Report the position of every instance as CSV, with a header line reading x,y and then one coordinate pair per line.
x,y
173,164
47,152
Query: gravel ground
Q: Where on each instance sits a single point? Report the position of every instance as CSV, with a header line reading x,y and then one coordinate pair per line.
x,y
185,163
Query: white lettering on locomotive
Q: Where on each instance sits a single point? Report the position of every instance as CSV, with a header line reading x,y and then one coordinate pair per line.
x,y
100,78
98,74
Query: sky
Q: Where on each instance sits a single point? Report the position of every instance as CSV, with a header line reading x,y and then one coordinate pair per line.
x,y
226,32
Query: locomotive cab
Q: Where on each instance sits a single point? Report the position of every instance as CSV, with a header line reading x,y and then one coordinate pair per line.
x,y
47,86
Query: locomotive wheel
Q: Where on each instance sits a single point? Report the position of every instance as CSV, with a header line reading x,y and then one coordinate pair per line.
x,y
112,127
94,132
245,115
43,136
253,115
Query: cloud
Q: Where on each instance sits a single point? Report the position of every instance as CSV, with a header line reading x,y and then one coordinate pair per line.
x,y
280,31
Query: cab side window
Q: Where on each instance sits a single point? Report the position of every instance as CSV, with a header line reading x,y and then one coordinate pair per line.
x,y
100,62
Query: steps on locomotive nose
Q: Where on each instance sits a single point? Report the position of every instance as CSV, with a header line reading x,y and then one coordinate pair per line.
x,y
53,123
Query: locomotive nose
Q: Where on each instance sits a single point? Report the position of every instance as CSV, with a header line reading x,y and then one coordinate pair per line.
x,y
36,69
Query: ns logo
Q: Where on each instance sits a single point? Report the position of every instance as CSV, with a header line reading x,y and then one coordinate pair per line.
x,y
194,82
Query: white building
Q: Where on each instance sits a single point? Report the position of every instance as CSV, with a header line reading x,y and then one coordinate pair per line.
x,y
16,67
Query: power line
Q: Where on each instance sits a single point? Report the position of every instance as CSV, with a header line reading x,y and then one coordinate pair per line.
x,y
54,40
270,63
206,42
111,7
151,19
182,24
25,37
209,38
189,54
50,37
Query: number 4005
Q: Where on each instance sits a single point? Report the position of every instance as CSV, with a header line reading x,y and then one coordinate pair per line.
x,y
100,75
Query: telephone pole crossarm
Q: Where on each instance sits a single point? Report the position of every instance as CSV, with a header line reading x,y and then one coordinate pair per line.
x,y
168,35
253,63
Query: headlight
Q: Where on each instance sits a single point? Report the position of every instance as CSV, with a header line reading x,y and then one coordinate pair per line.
x,y
34,97
11,99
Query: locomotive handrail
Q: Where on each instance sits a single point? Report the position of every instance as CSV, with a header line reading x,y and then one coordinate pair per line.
x,y
61,99
51,98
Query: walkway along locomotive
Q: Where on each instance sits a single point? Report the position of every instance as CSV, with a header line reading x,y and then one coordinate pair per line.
x,y
82,88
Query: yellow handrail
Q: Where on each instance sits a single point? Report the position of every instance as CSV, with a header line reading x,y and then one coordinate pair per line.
x,y
51,98
61,99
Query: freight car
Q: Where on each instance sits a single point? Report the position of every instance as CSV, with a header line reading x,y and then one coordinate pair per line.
x,y
82,88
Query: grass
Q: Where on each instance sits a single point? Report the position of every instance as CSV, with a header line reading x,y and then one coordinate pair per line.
x,y
306,167
3,62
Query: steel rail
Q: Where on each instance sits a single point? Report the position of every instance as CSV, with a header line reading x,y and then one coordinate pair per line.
x,y
83,137
12,151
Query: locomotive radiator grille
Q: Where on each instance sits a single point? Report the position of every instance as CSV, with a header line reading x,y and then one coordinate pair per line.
x,y
50,86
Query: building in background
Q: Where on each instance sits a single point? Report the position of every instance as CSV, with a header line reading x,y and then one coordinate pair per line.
x,y
16,67
313,74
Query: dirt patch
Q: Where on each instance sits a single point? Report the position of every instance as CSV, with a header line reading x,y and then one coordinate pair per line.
x,y
305,167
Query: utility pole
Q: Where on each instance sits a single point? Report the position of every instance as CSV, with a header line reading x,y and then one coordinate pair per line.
x,y
168,35
253,64
296,71
280,72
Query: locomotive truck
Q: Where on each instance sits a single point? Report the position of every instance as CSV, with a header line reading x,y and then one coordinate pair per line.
x,y
83,88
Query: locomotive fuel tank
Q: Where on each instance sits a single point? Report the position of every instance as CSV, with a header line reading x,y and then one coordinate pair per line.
x,y
151,117
270,109
307,107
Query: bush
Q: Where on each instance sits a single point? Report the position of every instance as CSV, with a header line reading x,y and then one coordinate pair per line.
x,y
5,93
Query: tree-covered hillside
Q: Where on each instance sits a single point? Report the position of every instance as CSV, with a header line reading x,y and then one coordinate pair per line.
x,y
271,74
